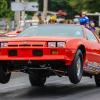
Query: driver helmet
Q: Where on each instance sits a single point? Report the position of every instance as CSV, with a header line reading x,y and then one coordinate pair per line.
x,y
53,19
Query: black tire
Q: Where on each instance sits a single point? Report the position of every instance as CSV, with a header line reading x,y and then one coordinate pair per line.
x,y
97,80
75,73
37,80
4,76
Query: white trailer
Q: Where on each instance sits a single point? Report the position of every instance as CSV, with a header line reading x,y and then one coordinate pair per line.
x,y
95,17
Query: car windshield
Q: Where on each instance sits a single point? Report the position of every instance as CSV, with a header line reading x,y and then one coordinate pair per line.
x,y
27,24
54,30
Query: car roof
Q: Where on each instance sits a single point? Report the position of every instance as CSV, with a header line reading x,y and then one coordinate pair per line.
x,y
43,25
29,21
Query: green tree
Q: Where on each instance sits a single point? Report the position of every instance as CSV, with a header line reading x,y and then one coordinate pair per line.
x,y
4,10
86,5
55,5
3,7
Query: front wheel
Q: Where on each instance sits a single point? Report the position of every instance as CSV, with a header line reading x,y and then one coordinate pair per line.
x,y
4,75
97,80
37,80
75,71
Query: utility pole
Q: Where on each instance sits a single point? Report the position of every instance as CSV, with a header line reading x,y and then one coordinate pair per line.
x,y
17,16
25,2
45,8
23,12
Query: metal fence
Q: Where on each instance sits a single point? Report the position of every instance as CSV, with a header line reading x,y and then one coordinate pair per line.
x,y
7,24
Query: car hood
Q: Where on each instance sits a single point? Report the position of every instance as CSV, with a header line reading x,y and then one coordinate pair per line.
x,y
36,38
12,32
16,32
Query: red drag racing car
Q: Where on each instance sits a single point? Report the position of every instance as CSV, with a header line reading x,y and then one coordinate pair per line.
x,y
47,50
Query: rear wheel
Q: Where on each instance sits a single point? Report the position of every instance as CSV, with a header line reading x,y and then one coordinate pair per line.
x,y
37,80
4,75
97,80
75,71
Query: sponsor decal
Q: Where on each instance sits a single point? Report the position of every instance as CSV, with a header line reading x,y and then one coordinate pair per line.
x,y
92,67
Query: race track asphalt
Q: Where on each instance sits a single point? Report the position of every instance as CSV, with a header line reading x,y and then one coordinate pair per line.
x,y
55,88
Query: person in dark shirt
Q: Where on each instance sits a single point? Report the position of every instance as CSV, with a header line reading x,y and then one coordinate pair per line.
x,y
41,21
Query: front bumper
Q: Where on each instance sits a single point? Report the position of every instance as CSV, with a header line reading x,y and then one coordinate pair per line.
x,y
27,54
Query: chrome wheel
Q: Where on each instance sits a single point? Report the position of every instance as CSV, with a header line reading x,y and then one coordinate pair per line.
x,y
78,66
75,71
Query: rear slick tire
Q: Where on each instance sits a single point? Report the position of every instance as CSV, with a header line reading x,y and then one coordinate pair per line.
x,y
97,80
75,71
4,76
37,80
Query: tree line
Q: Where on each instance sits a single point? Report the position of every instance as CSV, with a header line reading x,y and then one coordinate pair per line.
x,y
72,7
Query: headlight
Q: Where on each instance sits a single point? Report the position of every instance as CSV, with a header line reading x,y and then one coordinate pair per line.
x,y
51,44
60,44
4,44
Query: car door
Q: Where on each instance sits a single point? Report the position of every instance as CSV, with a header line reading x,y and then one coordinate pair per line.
x,y
93,47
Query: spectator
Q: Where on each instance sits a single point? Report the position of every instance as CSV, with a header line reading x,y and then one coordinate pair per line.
x,y
87,25
53,20
41,21
65,22
45,19
91,23
92,27
84,20
99,31
70,22
73,22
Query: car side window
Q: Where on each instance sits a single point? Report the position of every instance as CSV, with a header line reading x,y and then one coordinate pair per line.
x,y
91,36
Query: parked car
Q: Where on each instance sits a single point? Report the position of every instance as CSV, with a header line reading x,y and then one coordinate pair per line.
x,y
14,33
21,27
49,50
